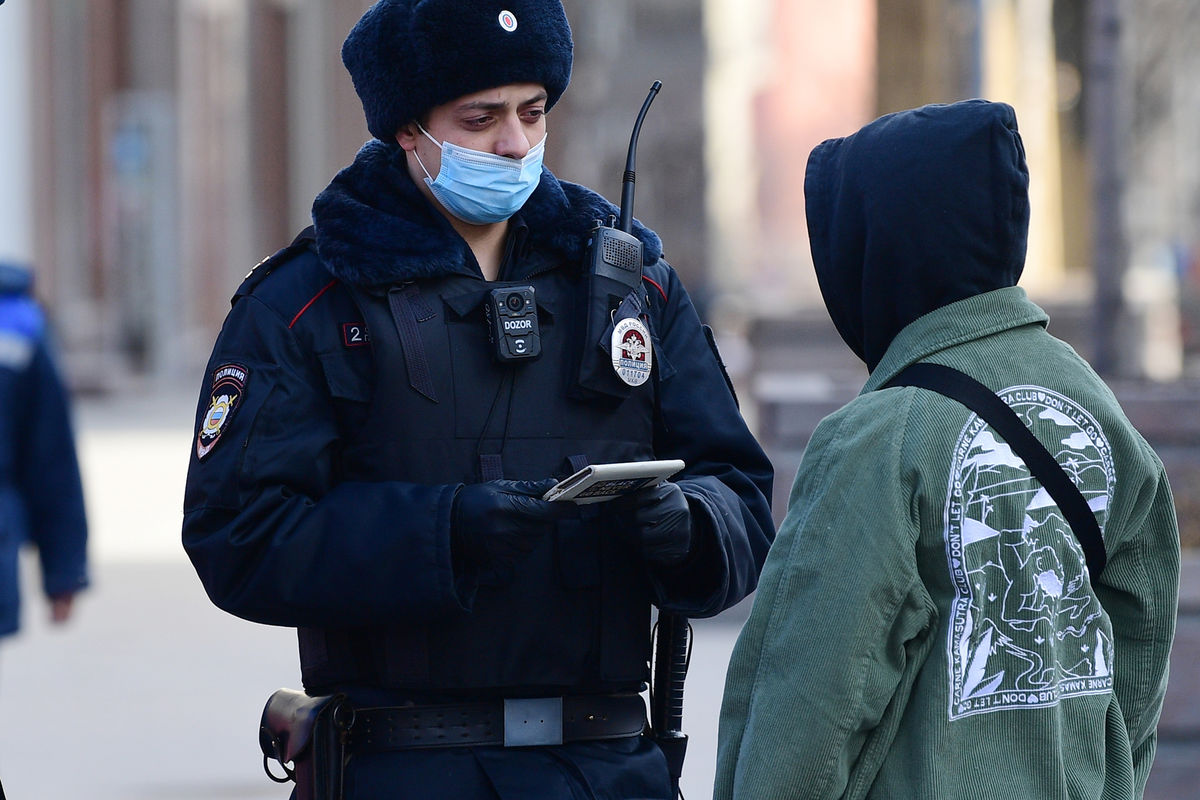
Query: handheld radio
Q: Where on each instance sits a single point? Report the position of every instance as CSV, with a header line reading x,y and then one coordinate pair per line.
x,y
616,252
614,274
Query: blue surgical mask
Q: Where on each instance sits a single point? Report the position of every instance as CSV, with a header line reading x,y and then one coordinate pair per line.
x,y
481,188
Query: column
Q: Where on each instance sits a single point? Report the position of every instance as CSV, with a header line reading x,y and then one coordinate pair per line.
x,y
16,219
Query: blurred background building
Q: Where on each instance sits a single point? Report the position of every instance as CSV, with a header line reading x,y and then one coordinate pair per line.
x,y
154,150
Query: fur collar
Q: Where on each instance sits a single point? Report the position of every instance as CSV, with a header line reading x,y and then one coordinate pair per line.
x,y
374,227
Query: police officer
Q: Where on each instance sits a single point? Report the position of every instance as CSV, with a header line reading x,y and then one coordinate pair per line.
x,y
369,462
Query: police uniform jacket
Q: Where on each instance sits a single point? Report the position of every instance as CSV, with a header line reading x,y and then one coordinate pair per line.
x,y
353,389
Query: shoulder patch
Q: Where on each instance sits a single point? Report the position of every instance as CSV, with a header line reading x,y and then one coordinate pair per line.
x,y
228,389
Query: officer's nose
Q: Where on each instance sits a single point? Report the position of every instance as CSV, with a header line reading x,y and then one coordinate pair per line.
x,y
513,141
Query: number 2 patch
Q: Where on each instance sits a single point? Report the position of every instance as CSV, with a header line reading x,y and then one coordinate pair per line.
x,y
228,389
355,334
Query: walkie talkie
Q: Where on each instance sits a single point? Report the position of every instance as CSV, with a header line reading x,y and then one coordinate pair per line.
x,y
616,253
614,273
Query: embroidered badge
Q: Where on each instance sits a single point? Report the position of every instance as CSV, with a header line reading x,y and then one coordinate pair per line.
x,y
355,334
631,353
508,21
228,388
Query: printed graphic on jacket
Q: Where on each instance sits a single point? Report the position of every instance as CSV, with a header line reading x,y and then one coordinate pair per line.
x,y
1026,630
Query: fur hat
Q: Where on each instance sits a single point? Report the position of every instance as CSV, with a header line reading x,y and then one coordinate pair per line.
x,y
407,56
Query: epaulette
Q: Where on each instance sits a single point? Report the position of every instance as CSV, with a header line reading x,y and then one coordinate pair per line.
x,y
305,239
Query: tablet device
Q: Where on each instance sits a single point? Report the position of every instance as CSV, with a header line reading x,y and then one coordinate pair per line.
x,y
599,482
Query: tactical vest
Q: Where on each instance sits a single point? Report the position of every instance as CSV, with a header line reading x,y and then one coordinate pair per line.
x,y
574,613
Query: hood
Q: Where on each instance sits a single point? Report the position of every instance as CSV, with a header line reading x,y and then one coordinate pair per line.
x,y
374,226
913,212
14,278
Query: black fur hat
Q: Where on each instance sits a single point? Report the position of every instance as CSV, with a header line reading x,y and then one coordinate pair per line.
x,y
407,56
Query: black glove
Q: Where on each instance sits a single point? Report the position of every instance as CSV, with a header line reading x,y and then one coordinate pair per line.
x,y
662,523
497,522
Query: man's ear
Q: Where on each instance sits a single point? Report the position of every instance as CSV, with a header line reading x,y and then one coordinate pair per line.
x,y
406,137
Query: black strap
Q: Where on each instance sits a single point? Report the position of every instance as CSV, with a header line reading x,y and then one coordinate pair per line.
x,y
405,305
977,397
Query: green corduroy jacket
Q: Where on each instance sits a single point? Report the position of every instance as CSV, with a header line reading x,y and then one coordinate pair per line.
x,y
925,626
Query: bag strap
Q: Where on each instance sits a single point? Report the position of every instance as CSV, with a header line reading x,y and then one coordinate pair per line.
x,y
977,397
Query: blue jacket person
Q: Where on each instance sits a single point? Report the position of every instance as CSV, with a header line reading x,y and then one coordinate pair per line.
x,y
366,469
41,495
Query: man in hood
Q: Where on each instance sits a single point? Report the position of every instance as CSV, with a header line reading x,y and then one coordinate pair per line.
x,y
927,625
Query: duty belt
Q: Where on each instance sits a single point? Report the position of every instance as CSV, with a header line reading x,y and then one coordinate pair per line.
x,y
524,722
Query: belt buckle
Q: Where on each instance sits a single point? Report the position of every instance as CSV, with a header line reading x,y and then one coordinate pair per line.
x,y
533,721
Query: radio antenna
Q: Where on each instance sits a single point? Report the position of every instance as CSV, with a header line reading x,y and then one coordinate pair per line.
x,y
630,177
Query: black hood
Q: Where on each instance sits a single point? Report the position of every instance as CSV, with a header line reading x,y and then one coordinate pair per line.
x,y
913,212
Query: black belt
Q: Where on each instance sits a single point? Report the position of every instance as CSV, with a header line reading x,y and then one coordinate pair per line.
x,y
524,722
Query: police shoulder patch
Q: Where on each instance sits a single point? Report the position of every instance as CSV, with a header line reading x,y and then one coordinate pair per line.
x,y
228,389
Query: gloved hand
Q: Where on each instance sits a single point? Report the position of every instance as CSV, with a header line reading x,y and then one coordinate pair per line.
x,y
497,522
661,521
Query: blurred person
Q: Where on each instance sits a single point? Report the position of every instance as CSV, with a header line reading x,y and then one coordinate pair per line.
x,y
927,624
41,495
369,464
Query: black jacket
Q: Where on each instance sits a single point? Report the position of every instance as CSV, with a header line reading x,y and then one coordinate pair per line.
x,y
279,534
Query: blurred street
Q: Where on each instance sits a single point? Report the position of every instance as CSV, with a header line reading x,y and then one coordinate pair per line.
x,y
151,693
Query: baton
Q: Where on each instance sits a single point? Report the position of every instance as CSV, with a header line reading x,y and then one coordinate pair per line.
x,y
672,651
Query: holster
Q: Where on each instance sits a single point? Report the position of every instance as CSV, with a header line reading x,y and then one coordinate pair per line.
x,y
310,734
